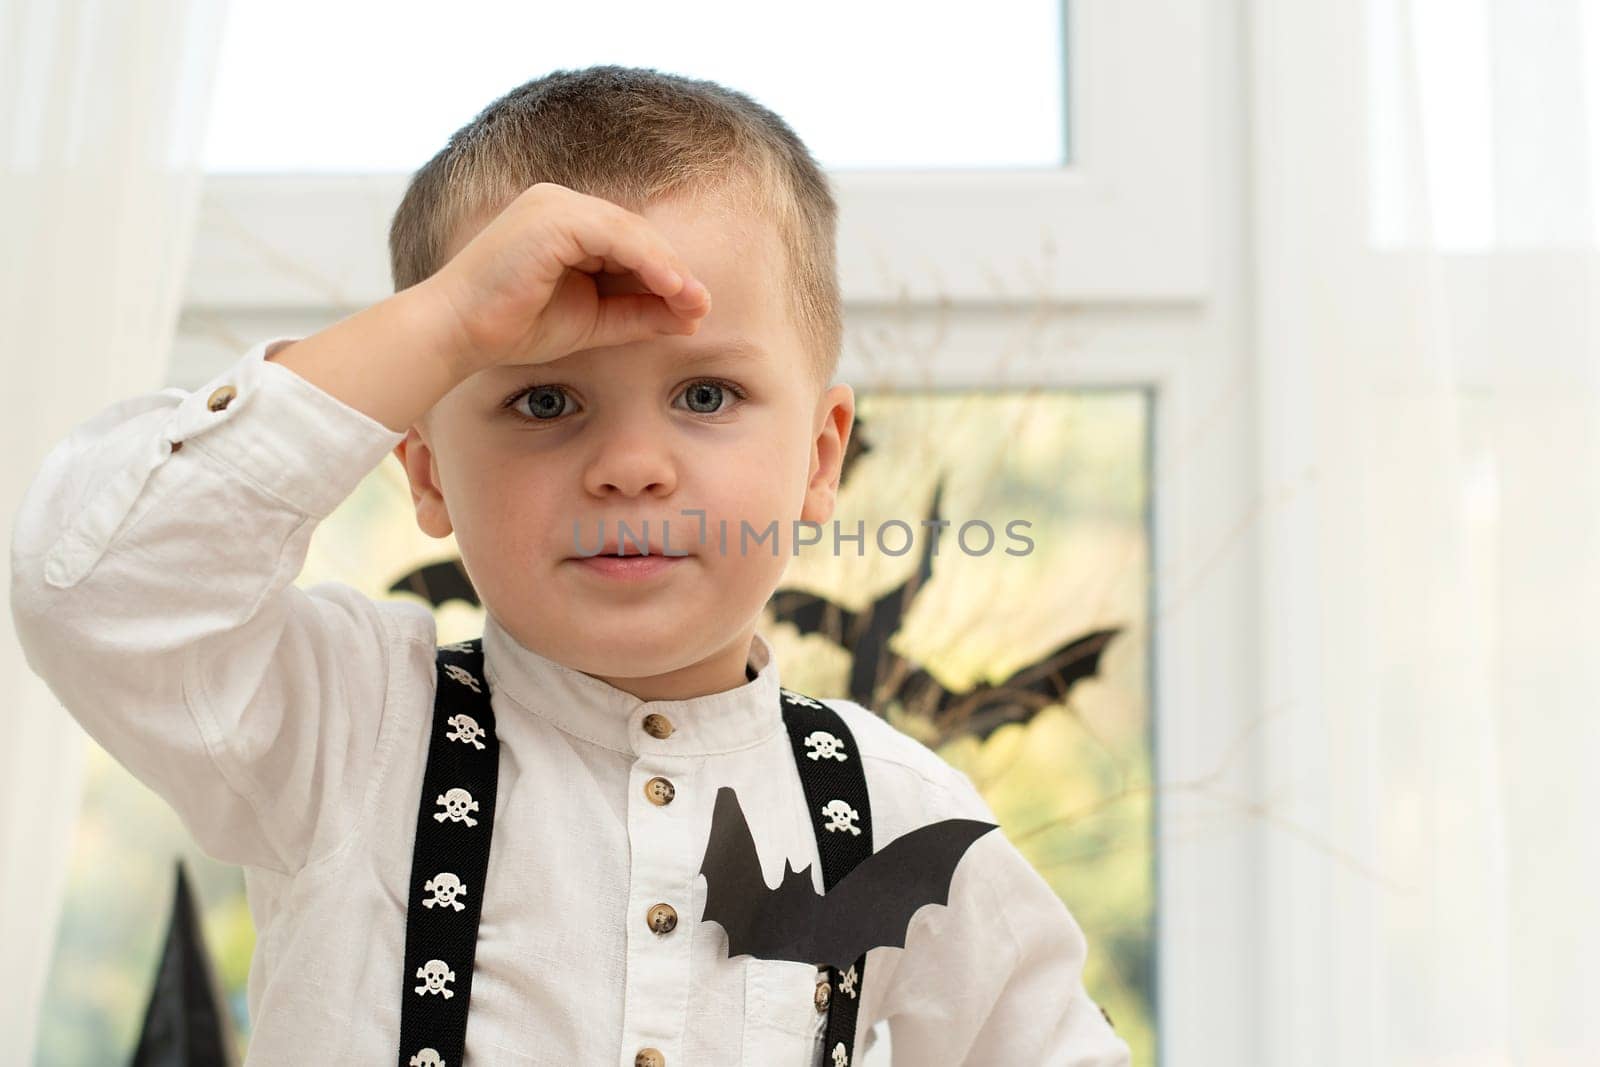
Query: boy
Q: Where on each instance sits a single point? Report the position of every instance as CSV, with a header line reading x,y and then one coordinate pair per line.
x,y
616,307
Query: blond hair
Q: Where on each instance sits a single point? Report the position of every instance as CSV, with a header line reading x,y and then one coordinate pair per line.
x,y
634,136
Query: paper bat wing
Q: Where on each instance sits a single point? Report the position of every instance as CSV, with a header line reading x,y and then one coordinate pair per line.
x,y
737,897
439,583
1054,676
870,906
873,905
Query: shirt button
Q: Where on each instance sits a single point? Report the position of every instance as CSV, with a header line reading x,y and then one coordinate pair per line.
x,y
823,994
659,791
658,726
649,1057
663,918
221,397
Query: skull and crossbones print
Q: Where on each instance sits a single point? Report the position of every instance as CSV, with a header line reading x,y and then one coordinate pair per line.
x,y
436,975
841,816
446,888
427,1058
457,802
462,675
824,745
465,728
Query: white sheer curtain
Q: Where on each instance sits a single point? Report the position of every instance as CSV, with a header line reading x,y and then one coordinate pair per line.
x,y
103,109
1425,270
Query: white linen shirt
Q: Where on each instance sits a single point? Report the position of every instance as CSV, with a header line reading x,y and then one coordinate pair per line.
x,y
152,590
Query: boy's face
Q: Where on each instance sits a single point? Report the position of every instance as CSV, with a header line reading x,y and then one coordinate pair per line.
x,y
637,436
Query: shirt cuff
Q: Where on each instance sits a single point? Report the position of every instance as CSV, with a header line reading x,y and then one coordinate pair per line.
x,y
291,438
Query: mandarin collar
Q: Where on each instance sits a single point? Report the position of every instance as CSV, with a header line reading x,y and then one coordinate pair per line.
x,y
588,708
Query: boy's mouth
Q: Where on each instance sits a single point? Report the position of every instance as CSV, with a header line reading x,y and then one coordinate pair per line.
x,y
612,565
631,549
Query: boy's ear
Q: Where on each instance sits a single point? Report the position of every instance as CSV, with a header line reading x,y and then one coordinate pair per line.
x,y
836,413
416,457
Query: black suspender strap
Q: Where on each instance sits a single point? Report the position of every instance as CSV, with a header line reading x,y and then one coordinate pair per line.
x,y
835,785
448,862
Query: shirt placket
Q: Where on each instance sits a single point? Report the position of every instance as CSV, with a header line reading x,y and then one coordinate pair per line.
x,y
659,923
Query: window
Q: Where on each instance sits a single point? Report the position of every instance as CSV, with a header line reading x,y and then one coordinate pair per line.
x,y
866,85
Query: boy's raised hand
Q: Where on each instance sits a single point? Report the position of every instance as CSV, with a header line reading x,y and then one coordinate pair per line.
x,y
522,290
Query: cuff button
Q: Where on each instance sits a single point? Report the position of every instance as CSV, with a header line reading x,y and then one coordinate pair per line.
x,y
221,398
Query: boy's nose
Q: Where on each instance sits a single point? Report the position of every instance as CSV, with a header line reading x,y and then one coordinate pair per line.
x,y
630,464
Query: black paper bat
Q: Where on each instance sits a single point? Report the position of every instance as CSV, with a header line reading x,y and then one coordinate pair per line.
x,y
870,906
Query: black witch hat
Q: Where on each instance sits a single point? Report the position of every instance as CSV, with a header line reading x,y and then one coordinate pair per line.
x,y
186,1023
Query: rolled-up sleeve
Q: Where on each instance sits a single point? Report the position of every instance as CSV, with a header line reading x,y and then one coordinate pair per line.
x,y
995,979
152,562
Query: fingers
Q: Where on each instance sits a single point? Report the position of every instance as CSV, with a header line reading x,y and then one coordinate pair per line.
x,y
694,299
636,317
615,237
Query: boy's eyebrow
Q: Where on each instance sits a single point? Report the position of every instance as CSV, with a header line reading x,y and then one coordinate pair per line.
x,y
736,348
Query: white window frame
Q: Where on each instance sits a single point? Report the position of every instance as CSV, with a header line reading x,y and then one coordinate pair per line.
x,y
1127,265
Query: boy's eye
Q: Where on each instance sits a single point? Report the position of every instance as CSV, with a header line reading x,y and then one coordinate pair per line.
x,y
544,401
705,398
548,402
